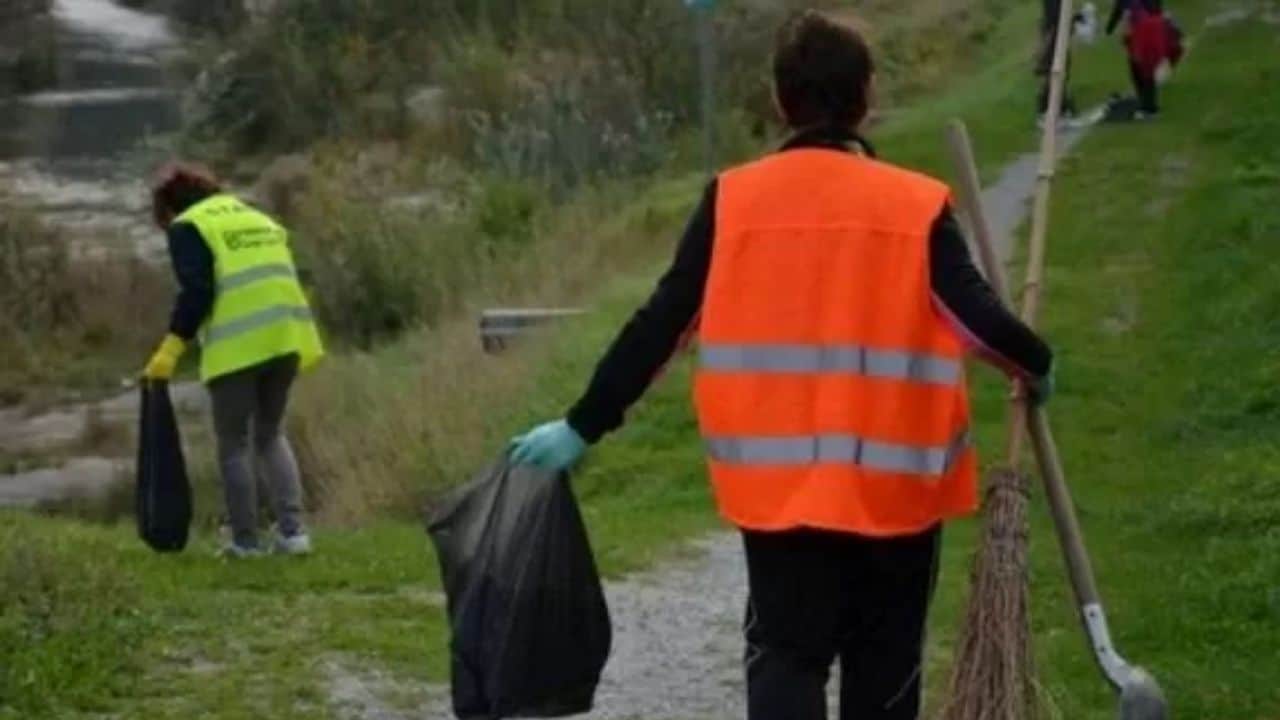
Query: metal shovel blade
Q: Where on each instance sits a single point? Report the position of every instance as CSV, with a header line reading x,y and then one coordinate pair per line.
x,y
1141,698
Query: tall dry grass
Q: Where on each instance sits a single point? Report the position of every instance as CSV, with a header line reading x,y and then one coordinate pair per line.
x,y
383,432
318,69
67,322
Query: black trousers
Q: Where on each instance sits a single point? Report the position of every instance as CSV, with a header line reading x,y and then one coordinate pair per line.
x,y
818,596
1144,84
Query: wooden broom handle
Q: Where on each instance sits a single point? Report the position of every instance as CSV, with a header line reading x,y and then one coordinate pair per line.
x,y
969,192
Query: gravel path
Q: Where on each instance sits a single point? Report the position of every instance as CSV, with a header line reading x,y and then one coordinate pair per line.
x,y
677,651
677,645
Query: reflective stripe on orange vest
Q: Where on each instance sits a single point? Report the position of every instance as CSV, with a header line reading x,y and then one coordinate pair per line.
x,y
920,367
928,462
830,392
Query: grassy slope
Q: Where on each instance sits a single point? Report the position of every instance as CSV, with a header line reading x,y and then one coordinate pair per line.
x,y
1164,293
1164,321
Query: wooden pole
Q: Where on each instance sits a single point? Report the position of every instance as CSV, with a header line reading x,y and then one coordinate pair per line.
x,y
1034,283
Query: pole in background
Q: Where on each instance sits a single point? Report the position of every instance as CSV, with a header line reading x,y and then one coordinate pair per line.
x,y
702,10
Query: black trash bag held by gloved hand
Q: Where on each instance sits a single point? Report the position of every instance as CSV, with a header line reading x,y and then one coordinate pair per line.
x,y
530,626
163,493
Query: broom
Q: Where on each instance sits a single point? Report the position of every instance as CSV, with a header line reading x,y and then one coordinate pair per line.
x,y
993,677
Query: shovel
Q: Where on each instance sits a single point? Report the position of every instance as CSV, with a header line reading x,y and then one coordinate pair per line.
x,y
1140,695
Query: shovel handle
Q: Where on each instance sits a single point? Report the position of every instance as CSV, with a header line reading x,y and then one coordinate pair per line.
x,y
1070,537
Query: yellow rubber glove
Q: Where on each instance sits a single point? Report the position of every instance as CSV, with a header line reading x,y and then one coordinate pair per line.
x,y
165,359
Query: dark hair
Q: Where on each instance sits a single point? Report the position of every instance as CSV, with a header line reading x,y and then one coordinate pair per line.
x,y
822,71
178,186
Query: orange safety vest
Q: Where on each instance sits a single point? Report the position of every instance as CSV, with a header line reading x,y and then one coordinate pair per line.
x,y
831,392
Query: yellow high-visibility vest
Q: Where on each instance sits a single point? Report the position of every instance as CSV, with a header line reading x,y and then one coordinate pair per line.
x,y
260,311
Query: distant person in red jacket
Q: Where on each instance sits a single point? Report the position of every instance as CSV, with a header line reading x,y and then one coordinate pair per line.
x,y
1150,41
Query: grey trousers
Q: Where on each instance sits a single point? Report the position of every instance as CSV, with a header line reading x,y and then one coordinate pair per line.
x,y
248,414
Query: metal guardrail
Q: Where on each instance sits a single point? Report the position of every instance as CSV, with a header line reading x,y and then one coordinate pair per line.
x,y
500,326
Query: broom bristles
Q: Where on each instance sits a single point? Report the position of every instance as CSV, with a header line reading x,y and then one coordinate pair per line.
x,y
993,677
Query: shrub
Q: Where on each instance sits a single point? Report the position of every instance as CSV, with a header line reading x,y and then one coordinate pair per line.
x,y
66,320
534,88
377,270
311,70
572,130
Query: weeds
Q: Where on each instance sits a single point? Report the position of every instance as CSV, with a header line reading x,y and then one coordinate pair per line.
x,y
439,404
65,320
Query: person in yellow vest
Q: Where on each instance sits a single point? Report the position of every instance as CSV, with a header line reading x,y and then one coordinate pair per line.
x,y
834,299
240,298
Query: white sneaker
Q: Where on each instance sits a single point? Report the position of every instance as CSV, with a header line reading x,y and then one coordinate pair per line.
x,y
232,551
297,544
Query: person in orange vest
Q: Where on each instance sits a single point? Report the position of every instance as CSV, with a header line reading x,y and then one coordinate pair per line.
x,y
835,299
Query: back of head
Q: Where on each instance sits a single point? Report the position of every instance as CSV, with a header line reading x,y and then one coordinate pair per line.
x,y
178,186
822,71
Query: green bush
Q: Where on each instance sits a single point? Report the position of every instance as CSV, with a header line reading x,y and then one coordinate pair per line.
x,y
377,270
505,212
314,69
571,131
532,92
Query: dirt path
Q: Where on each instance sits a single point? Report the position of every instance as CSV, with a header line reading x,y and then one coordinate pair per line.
x,y
1007,201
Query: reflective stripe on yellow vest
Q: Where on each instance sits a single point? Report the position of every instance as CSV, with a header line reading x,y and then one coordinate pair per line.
x,y
259,311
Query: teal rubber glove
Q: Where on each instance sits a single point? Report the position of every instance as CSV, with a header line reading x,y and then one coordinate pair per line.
x,y
551,446
1040,389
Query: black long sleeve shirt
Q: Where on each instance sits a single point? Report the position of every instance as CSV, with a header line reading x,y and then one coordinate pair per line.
x,y
655,331
193,266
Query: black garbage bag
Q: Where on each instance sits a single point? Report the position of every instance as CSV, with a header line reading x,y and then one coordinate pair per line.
x,y
163,499
529,621
1121,109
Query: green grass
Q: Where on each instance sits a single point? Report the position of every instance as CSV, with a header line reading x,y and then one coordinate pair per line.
x,y
1163,296
1162,301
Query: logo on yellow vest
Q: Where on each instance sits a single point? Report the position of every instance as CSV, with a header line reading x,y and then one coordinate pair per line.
x,y
253,238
